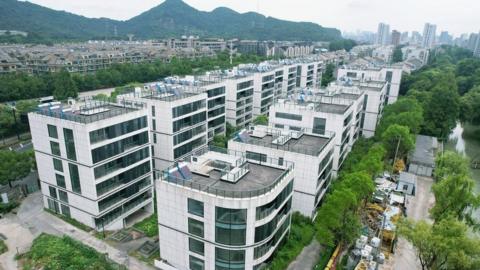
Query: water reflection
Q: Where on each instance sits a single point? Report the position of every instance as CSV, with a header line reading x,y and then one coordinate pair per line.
x,y
467,146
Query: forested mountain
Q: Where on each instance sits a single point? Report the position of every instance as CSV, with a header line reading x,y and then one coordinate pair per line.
x,y
169,19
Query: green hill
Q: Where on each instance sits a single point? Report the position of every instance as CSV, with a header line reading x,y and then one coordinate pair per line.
x,y
172,18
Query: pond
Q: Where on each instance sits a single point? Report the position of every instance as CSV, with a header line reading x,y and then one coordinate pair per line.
x,y
466,140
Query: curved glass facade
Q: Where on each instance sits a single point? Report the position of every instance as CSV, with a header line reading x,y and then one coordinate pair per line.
x,y
230,226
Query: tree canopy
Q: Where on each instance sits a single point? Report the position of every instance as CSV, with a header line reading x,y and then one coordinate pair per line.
x,y
15,165
398,141
444,245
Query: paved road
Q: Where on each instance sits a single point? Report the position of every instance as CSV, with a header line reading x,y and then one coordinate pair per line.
x,y
417,209
307,258
31,220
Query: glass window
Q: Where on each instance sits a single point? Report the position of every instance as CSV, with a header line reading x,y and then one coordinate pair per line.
x,y
52,131
230,226
121,162
195,227
57,165
196,263
55,148
289,116
53,205
256,156
154,124
123,178
74,178
155,138
229,259
188,108
196,246
60,180
69,144
65,210
319,125
195,207
118,130
189,121
153,111
187,135
53,192
115,148
189,147
63,196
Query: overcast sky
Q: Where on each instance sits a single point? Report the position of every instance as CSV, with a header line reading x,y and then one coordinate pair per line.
x,y
455,16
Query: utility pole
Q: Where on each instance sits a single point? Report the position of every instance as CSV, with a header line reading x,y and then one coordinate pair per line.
x,y
396,152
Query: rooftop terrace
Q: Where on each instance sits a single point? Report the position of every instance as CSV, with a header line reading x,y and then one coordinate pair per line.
x,y
91,110
227,173
292,141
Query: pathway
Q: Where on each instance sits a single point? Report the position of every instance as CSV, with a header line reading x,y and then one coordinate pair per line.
x,y
417,209
31,220
308,258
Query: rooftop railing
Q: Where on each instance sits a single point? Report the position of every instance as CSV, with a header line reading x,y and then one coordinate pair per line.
x,y
240,194
311,150
104,111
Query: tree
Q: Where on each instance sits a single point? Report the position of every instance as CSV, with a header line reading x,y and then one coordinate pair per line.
x,y
398,141
397,55
360,183
328,75
372,162
454,190
445,245
220,141
442,112
450,163
15,166
406,112
64,86
470,106
455,197
337,221
261,120
6,120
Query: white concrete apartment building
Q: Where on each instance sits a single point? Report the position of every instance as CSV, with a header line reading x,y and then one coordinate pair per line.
x,y
336,109
374,103
178,120
213,84
307,150
94,162
222,210
391,75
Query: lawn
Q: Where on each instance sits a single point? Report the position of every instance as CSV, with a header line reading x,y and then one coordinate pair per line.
x,y
149,226
59,253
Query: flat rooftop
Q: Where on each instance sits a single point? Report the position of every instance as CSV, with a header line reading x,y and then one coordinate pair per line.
x,y
306,144
258,177
227,173
90,112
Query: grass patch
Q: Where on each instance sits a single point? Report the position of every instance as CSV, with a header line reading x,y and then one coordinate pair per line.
x,y
301,234
3,247
59,253
149,226
71,221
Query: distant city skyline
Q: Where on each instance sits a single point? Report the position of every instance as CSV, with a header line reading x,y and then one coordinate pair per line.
x,y
456,17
